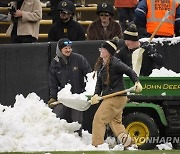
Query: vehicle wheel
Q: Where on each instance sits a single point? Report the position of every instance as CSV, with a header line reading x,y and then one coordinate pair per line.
x,y
141,128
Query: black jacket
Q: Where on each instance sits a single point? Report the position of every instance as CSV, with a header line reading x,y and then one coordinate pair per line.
x,y
117,69
73,72
71,30
150,60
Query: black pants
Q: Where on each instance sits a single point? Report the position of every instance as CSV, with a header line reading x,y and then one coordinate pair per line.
x,y
23,39
69,114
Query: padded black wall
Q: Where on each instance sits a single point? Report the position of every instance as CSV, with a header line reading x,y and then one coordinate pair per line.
x,y
23,69
172,56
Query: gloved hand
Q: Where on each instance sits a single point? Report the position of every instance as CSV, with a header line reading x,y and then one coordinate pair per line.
x,y
95,99
149,48
138,87
50,102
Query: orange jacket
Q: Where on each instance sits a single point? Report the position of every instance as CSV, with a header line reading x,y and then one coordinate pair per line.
x,y
125,3
156,11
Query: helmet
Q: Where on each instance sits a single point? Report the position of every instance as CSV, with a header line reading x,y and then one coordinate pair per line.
x,y
105,7
66,5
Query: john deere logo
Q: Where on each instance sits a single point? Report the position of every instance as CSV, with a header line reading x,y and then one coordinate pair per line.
x,y
64,4
104,5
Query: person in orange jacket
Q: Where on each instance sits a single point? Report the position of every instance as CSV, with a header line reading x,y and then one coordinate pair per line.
x,y
125,10
149,14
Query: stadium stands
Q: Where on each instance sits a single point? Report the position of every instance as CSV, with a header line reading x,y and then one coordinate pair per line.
x,y
85,14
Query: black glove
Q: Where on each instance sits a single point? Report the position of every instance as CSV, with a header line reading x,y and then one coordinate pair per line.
x,y
149,48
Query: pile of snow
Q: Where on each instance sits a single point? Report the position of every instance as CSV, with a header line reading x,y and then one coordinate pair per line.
x,y
89,89
169,41
32,126
90,84
163,72
165,146
66,93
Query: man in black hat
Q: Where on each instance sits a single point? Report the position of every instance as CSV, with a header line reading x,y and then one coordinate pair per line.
x,y
67,67
105,27
66,27
54,9
151,57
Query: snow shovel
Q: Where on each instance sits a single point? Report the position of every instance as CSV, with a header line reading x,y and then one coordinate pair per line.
x,y
83,105
137,54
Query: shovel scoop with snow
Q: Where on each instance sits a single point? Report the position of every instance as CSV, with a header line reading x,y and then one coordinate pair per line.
x,y
83,105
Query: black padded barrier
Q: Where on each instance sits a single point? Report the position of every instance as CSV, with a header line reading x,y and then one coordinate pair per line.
x,y
171,55
23,69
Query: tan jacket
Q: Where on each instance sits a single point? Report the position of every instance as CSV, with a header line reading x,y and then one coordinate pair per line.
x,y
29,23
125,3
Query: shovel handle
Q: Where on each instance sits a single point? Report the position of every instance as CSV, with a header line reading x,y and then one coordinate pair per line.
x,y
132,89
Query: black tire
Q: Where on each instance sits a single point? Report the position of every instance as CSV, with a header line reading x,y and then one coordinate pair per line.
x,y
140,126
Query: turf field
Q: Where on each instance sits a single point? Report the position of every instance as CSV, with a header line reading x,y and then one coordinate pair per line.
x,y
103,152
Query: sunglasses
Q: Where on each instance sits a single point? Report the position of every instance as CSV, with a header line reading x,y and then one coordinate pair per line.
x,y
104,14
67,42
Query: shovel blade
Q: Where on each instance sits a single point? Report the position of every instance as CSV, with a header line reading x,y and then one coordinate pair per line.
x,y
80,105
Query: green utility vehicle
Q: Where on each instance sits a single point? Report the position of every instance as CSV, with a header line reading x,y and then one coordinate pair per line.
x,y
153,116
